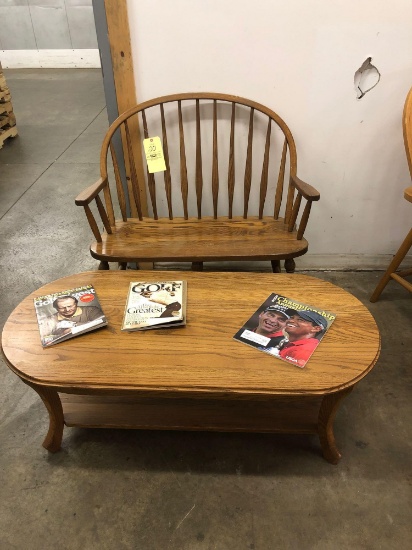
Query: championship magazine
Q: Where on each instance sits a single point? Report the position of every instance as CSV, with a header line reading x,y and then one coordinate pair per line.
x,y
152,304
286,329
63,315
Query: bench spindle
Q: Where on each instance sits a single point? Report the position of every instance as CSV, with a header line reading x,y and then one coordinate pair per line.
x,y
215,164
109,203
231,171
150,177
265,169
199,174
92,223
289,202
166,173
281,179
119,186
304,220
248,166
133,174
103,214
295,212
183,167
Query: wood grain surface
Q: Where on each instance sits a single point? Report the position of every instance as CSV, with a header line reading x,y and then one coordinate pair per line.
x,y
201,358
207,239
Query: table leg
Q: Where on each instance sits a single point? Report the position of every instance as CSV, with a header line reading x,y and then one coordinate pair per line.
x,y
50,397
328,409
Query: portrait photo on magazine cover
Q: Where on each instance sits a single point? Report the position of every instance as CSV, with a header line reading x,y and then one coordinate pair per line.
x,y
68,313
286,329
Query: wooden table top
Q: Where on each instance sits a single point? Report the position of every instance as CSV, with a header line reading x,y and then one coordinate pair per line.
x,y
201,357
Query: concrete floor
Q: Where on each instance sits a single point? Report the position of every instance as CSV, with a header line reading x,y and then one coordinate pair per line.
x,y
114,489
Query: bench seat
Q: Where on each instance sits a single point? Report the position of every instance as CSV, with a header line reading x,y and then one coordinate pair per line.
x,y
192,240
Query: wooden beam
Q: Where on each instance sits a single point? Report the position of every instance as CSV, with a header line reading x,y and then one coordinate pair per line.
x,y
122,61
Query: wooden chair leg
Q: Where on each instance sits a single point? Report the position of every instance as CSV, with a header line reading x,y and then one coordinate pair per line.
x,y
393,266
290,265
276,266
104,266
122,266
197,266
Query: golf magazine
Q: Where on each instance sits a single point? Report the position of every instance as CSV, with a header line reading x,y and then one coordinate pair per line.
x,y
286,329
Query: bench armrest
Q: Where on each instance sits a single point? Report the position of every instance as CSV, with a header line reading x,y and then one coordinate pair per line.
x,y
307,191
293,205
87,195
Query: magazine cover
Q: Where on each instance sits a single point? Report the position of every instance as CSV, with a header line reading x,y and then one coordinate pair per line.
x,y
155,305
287,329
66,314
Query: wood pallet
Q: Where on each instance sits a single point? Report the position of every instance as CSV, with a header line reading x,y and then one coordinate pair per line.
x,y
3,84
6,107
5,95
8,127
7,133
7,119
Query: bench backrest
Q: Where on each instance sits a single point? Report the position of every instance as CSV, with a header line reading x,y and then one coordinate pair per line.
x,y
225,156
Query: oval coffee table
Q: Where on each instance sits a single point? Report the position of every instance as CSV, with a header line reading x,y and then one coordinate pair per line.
x,y
196,377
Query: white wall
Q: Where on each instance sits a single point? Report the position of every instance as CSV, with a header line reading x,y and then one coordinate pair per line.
x,y
299,58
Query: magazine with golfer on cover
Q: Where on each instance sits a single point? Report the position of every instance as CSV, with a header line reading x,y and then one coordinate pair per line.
x,y
286,329
152,304
68,313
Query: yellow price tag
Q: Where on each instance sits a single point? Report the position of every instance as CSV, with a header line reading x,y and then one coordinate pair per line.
x,y
154,155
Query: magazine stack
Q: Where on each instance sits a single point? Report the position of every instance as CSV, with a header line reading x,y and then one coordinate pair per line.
x,y
152,305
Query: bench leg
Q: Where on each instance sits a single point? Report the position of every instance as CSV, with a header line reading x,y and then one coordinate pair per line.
x,y
197,266
122,266
290,265
276,266
328,409
104,266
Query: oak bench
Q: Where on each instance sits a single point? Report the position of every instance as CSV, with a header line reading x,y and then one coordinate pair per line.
x,y
230,190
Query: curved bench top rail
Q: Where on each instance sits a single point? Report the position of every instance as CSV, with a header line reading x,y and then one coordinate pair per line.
x,y
206,96
125,123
